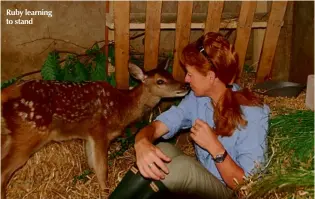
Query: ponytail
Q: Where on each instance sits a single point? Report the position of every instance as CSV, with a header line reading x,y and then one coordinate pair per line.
x,y
228,113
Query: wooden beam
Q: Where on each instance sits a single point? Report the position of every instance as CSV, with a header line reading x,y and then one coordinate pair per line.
x,y
106,37
121,20
271,39
243,31
213,22
152,34
224,24
182,36
258,35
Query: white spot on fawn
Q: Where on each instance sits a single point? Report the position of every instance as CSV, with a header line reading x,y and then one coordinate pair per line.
x,y
38,117
15,105
97,102
31,115
23,115
107,93
30,104
22,100
111,103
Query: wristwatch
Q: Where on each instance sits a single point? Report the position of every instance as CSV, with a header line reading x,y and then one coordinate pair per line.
x,y
220,157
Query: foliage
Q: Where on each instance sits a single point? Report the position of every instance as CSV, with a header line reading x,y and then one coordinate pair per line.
x,y
8,82
74,70
249,68
83,177
291,153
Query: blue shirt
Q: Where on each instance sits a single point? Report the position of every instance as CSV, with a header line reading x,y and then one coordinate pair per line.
x,y
247,145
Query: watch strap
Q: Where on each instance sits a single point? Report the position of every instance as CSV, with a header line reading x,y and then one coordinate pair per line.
x,y
220,158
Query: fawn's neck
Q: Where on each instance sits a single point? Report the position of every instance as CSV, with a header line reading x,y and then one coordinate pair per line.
x,y
141,100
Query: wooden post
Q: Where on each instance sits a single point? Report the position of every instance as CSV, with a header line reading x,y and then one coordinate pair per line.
x,y
213,22
270,41
106,37
121,21
258,35
152,34
182,36
243,32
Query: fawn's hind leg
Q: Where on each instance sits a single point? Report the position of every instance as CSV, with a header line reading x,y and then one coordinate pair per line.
x,y
96,151
89,144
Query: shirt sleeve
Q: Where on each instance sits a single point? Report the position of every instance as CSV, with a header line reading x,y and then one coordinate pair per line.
x,y
251,145
178,117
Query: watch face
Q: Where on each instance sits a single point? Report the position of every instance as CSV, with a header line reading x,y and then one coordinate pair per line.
x,y
220,158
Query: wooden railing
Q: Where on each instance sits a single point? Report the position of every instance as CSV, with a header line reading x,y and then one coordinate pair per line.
x,y
119,22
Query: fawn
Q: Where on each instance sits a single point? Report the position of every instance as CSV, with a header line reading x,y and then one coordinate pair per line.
x,y
36,112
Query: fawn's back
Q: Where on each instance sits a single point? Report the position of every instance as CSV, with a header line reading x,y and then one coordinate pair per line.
x,y
69,107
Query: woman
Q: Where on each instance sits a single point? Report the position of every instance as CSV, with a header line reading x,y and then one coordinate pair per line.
x,y
228,127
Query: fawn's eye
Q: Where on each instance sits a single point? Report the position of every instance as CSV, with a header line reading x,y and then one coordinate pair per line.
x,y
159,82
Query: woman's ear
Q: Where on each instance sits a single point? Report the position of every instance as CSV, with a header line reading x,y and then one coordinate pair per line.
x,y
211,75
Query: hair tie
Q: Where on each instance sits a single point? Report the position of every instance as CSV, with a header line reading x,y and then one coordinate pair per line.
x,y
229,86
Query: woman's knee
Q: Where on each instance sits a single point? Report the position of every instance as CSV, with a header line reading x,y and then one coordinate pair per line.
x,y
169,149
180,169
187,175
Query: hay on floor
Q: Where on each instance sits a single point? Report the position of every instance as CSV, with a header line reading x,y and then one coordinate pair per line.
x,y
60,170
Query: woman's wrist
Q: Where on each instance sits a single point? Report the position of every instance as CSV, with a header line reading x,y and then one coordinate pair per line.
x,y
140,141
216,149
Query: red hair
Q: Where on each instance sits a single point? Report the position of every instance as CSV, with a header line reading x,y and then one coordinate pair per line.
x,y
220,57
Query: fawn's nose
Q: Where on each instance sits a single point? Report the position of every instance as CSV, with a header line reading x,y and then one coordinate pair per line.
x,y
186,86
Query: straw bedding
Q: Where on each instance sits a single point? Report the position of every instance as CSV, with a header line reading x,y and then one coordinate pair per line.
x,y
60,170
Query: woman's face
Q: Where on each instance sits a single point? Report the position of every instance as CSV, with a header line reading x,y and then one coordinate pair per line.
x,y
199,83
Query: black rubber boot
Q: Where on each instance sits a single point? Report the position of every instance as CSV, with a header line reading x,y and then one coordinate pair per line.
x,y
135,186
155,190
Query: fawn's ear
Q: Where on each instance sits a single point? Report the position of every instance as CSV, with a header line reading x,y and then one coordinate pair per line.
x,y
164,64
136,72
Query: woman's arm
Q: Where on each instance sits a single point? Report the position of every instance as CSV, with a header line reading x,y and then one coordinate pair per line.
x,y
149,157
148,154
250,148
151,132
228,169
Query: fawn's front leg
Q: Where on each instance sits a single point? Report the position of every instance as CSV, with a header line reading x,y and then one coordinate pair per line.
x,y
18,149
97,152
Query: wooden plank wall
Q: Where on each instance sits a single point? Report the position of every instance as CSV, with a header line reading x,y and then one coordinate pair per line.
x,y
182,37
213,22
121,20
243,31
271,39
152,34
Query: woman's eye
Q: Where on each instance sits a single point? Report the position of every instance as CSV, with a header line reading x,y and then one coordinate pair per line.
x,y
159,82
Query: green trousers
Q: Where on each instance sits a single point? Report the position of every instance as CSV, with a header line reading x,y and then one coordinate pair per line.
x,y
187,178
187,175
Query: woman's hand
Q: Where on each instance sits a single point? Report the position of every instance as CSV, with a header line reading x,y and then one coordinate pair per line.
x,y
150,160
206,138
